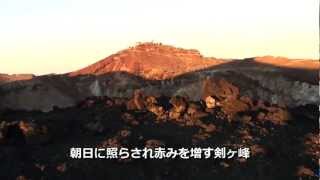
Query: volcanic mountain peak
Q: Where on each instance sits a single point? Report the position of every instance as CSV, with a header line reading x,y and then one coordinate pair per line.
x,y
152,47
151,60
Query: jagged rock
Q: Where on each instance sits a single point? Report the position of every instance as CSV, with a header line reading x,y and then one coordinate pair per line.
x,y
131,105
174,115
303,171
179,104
154,143
157,110
193,109
130,119
153,106
278,115
179,107
10,133
263,139
247,100
137,102
151,100
274,114
210,102
139,99
219,92
195,112
34,134
220,89
233,106
312,145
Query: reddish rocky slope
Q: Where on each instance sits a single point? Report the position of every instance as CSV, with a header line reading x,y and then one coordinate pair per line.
x,y
152,61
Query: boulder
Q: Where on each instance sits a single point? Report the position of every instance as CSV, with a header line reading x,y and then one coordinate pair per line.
x,y
151,100
210,102
179,107
179,104
278,115
130,119
34,133
157,110
137,102
303,171
195,111
154,143
219,88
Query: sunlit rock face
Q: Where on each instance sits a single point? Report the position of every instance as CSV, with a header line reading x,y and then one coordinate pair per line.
x,y
159,70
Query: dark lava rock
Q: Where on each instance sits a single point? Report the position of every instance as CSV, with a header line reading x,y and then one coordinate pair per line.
x,y
34,133
282,144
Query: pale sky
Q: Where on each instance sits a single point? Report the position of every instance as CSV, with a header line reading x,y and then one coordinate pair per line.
x,y
57,36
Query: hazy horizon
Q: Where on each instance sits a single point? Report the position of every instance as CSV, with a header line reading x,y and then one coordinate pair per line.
x,y
61,36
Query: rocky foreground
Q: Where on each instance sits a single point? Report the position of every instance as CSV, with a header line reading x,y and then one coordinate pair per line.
x,y
283,141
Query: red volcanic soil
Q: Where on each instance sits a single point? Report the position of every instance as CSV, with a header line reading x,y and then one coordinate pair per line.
x,y
150,60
